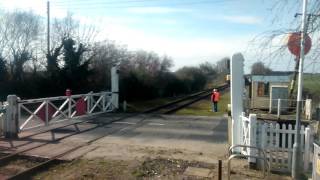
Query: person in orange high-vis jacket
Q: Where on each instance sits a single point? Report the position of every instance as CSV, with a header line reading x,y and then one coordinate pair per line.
x,y
215,97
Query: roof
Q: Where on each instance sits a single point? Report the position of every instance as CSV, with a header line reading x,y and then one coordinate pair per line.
x,y
274,76
271,78
280,73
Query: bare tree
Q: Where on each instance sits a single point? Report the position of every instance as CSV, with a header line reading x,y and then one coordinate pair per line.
x,y
259,68
271,46
20,31
68,28
222,66
3,69
207,68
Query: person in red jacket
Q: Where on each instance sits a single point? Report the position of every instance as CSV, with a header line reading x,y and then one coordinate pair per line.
x,y
215,97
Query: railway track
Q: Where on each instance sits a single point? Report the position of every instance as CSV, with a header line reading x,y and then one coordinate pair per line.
x,y
176,105
45,164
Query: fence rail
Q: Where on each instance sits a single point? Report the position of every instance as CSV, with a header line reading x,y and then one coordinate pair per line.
x,y
279,106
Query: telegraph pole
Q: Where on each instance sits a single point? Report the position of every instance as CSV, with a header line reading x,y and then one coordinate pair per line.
x,y
296,158
48,27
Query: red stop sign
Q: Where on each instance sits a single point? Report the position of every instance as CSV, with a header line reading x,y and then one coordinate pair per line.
x,y
294,43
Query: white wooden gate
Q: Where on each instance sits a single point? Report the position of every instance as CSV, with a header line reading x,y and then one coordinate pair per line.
x,y
27,114
277,140
34,113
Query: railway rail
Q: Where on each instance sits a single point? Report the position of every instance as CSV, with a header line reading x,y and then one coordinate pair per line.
x,y
176,105
43,165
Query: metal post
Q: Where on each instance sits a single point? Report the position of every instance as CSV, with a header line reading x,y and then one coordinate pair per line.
x,y
296,159
124,106
48,28
307,148
11,125
115,86
308,109
252,139
318,114
279,108
47,112
220,170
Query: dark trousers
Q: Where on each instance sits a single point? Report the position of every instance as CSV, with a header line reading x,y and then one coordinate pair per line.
x,y
215,107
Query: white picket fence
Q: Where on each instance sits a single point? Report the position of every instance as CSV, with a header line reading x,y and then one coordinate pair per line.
x,y
280,106
277,140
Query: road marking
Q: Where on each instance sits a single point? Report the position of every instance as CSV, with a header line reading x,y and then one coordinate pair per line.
x,y
131,123
156,124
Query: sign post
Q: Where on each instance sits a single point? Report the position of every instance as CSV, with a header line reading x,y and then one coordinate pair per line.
x,y
296,159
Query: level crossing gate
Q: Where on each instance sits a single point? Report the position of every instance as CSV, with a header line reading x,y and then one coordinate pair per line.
x,y
41,112
28,114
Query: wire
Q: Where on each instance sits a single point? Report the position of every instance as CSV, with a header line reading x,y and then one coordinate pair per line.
x,y
102,2
131,1
119,4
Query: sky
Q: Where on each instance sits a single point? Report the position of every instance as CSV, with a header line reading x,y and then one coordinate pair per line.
x,y
189,31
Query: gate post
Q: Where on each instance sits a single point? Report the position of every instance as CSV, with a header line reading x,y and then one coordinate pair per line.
x,y
308,109
237,90
279,108
308,140
11,125
115,86
252,137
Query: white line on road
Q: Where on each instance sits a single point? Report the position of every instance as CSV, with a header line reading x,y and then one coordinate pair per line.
x,y
131,123
155,124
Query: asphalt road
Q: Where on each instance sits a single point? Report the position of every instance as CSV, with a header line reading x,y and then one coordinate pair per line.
x,y
193,136
183,137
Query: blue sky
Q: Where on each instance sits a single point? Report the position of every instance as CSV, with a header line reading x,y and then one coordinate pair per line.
x,y
189,31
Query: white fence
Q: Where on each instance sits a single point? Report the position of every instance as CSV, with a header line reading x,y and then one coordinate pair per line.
x,y
280,106
277,140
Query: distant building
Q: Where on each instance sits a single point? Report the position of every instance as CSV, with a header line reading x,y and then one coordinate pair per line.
x,y
265,90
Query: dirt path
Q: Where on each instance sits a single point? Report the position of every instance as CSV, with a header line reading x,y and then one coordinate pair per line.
x,y
148,168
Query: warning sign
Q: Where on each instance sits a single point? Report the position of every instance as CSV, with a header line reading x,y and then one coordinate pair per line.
x,y
81,107
42,113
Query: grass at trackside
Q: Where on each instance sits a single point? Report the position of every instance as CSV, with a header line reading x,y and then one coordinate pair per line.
x,y
203,108
311,83
138,106
311,87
